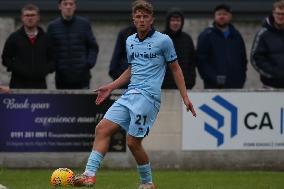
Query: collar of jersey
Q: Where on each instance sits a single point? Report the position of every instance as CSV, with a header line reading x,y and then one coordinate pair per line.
x,y
150,33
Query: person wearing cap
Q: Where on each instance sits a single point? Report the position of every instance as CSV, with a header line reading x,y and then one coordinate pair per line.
x,y
184,48
267,54
221,52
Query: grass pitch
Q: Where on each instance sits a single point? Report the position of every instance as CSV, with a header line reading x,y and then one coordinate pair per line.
x,y
128,179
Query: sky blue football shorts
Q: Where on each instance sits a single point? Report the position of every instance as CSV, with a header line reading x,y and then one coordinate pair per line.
x,y
134,113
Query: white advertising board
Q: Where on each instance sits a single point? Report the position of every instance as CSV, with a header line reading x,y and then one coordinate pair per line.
x,y
234,121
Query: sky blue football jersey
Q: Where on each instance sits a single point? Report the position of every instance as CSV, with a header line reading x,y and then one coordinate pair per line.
x,y
148,60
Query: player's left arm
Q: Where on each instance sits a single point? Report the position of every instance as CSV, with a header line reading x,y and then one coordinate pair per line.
x,y
179,80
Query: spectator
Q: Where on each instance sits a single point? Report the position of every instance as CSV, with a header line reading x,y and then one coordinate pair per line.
x,y
267,54
75,47
221,52
119,62
184,48
27,53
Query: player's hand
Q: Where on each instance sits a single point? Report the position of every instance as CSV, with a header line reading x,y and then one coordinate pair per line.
x,y
4,89
103,93
189,107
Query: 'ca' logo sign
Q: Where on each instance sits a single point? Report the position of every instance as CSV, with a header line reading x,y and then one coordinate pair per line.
x,y
215,130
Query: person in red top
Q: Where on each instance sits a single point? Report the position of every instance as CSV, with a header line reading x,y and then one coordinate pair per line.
x,y
27,52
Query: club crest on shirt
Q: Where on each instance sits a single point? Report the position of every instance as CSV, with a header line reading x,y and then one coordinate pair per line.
x,y
140,130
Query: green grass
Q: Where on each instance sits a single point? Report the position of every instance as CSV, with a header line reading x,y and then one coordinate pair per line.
x,y
128,179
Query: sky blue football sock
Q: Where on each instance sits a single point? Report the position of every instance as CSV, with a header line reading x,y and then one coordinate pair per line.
x,y
145,173
93,163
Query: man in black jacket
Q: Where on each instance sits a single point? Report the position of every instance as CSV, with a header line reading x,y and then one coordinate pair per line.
x,y
184,48
75,47
221,52
118,63
267,54
27,53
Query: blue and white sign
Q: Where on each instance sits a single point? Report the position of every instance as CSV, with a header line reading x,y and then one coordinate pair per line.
x,y
234,121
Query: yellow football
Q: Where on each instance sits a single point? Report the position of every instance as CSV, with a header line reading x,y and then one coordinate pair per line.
x,y
62,177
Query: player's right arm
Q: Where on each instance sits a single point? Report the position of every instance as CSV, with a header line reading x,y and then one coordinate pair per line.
x,y
104,91
123,79
4,89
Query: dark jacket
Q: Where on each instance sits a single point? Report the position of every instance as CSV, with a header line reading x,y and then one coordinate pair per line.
x,y
29,63
185,52
119,61
267,54
75,49
220,56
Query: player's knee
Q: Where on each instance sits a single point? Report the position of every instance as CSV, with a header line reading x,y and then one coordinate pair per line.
x,y
106,128
101,130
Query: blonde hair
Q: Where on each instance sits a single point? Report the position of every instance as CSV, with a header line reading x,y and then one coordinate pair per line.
x,y
142,5
278,4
